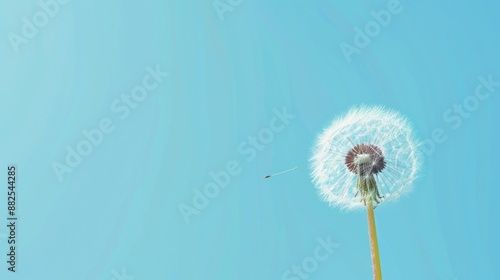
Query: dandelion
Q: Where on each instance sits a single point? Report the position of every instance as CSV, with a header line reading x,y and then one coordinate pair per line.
x,y
364,158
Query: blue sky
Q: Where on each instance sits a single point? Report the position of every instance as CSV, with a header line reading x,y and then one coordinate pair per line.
x,y
207,86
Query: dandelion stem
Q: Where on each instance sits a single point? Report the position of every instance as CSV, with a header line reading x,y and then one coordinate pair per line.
x,y
372,230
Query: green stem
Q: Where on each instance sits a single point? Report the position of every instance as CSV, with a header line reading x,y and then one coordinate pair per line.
x,y
372,230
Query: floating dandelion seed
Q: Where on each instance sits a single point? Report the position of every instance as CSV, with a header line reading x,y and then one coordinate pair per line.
x,y
370,152
282,172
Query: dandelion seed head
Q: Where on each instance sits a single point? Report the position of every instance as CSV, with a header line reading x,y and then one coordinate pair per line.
x,y
365,159
367,142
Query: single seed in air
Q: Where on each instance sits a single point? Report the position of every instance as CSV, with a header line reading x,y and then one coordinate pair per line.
x,y
279,173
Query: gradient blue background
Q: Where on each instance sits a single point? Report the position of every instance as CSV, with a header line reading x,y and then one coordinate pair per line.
x,y
119,208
